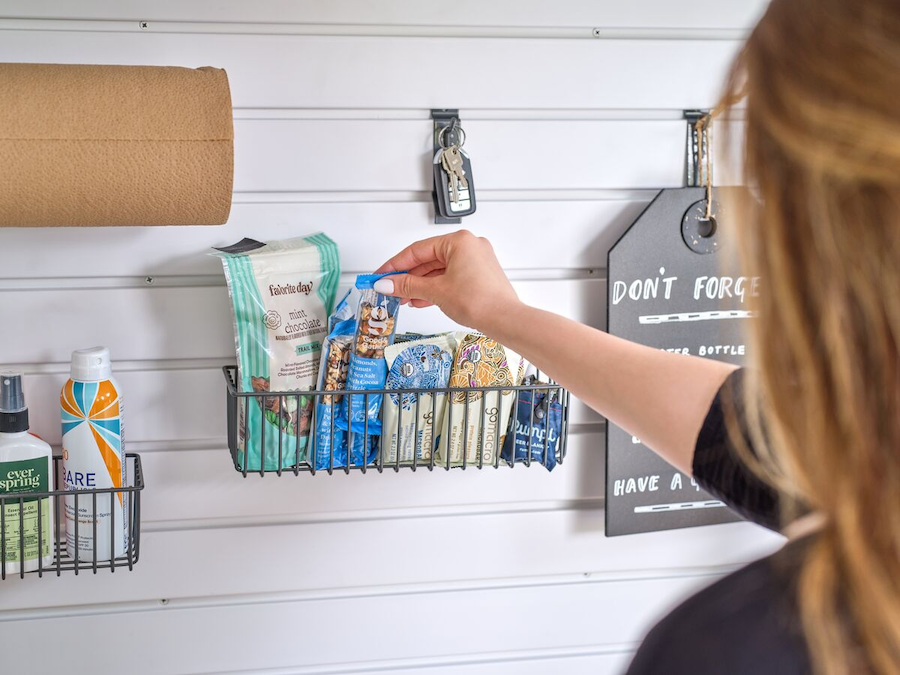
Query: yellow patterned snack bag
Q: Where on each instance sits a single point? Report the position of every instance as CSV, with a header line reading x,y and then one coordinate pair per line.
x,y
477,421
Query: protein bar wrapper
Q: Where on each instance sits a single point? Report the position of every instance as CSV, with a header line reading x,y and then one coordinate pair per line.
x,y
410,419
478,433
282,293
541,421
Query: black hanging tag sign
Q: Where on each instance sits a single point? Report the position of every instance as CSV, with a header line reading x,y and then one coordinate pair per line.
x,y
674,284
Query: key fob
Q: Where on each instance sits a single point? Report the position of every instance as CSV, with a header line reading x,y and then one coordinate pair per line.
x,y
465,206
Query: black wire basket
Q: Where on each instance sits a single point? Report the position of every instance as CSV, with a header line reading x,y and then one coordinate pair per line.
x,y
537,419
13,534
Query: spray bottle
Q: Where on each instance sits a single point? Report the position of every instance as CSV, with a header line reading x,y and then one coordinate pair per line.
x,y
26,466
94,458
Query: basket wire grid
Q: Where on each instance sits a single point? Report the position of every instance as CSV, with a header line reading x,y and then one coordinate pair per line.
x,y
62,561
550,391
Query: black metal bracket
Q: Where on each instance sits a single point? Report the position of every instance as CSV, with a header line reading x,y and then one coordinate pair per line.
x,y
695,163
443,118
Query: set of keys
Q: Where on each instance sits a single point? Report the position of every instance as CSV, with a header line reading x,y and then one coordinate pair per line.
x,y
453,183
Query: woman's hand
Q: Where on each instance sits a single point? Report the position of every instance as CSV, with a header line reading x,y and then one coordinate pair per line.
x,y
457,272
659,397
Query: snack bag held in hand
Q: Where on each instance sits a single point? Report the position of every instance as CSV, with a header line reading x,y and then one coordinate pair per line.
x,y
282,293
411,420
376,321
477,434
539,418
330,441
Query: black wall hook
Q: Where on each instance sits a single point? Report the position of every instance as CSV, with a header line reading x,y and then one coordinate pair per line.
x,y
446,128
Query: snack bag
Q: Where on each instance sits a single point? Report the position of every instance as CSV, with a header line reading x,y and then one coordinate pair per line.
x,y
410,420
376,322
282,293
539,418
330,444
480,362
333,377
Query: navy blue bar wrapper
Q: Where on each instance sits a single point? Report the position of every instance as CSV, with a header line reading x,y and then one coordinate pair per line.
x,y
548,423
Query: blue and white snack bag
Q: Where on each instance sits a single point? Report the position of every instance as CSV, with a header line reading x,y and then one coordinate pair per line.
x,y
376,323
538,426
330,440
411,421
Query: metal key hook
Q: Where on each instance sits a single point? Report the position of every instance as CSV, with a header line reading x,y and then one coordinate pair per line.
x,y
452,128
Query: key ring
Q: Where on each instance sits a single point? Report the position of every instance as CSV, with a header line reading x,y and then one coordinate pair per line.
x,y
454,125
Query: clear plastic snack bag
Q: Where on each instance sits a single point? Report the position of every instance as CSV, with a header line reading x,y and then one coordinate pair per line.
x,y
376,323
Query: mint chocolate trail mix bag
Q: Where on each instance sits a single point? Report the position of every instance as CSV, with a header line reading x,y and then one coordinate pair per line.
x,y
282,294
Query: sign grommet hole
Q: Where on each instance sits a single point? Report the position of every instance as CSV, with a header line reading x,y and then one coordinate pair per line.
x,y
701,234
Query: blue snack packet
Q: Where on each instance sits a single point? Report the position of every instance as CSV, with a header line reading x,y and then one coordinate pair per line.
x,y
363,450
376,322
330,440
538,422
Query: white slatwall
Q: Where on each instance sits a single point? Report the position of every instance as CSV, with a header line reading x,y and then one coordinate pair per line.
x,y
493,572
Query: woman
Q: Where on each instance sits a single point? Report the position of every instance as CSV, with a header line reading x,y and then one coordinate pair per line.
x,y
823,148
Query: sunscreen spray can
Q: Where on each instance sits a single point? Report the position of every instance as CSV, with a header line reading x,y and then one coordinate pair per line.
x,y
94,458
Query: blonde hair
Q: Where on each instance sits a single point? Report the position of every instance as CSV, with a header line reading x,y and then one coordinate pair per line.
x,y
821,80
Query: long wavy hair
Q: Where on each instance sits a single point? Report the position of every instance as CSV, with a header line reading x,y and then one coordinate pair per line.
x,y
821,81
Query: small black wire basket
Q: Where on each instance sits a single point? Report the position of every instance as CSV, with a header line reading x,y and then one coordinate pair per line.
x,y
13,535
535,430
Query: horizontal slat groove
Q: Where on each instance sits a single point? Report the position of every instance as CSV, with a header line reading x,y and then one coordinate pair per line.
x,y
473,114
64,284
376,30
456,661
372,516
351,592
484,195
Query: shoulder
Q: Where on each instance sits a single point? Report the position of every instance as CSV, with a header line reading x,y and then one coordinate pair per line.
x,y
744,624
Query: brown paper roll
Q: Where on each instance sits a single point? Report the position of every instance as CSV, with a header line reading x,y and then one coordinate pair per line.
x,y
114,145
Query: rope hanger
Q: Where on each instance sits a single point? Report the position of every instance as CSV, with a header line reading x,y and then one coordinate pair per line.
x,y
703,128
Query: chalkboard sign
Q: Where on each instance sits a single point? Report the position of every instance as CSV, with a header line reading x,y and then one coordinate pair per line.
x,y
673,284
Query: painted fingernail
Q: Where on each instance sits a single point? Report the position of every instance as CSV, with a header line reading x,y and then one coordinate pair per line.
x,y
385,286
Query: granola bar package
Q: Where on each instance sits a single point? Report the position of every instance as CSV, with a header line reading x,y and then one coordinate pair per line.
x,y
411,420
282,293
376,323
330,443
537,429
476,422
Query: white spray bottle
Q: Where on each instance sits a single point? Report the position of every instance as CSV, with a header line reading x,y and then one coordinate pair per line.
x,y
26,466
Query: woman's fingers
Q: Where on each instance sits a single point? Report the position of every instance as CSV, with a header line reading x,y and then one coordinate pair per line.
x,y
407,286
428,269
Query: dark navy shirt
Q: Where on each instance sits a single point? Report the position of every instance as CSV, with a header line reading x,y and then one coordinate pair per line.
x,y
747,623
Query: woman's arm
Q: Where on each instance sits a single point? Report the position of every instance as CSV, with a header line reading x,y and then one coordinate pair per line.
x,y
661,398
